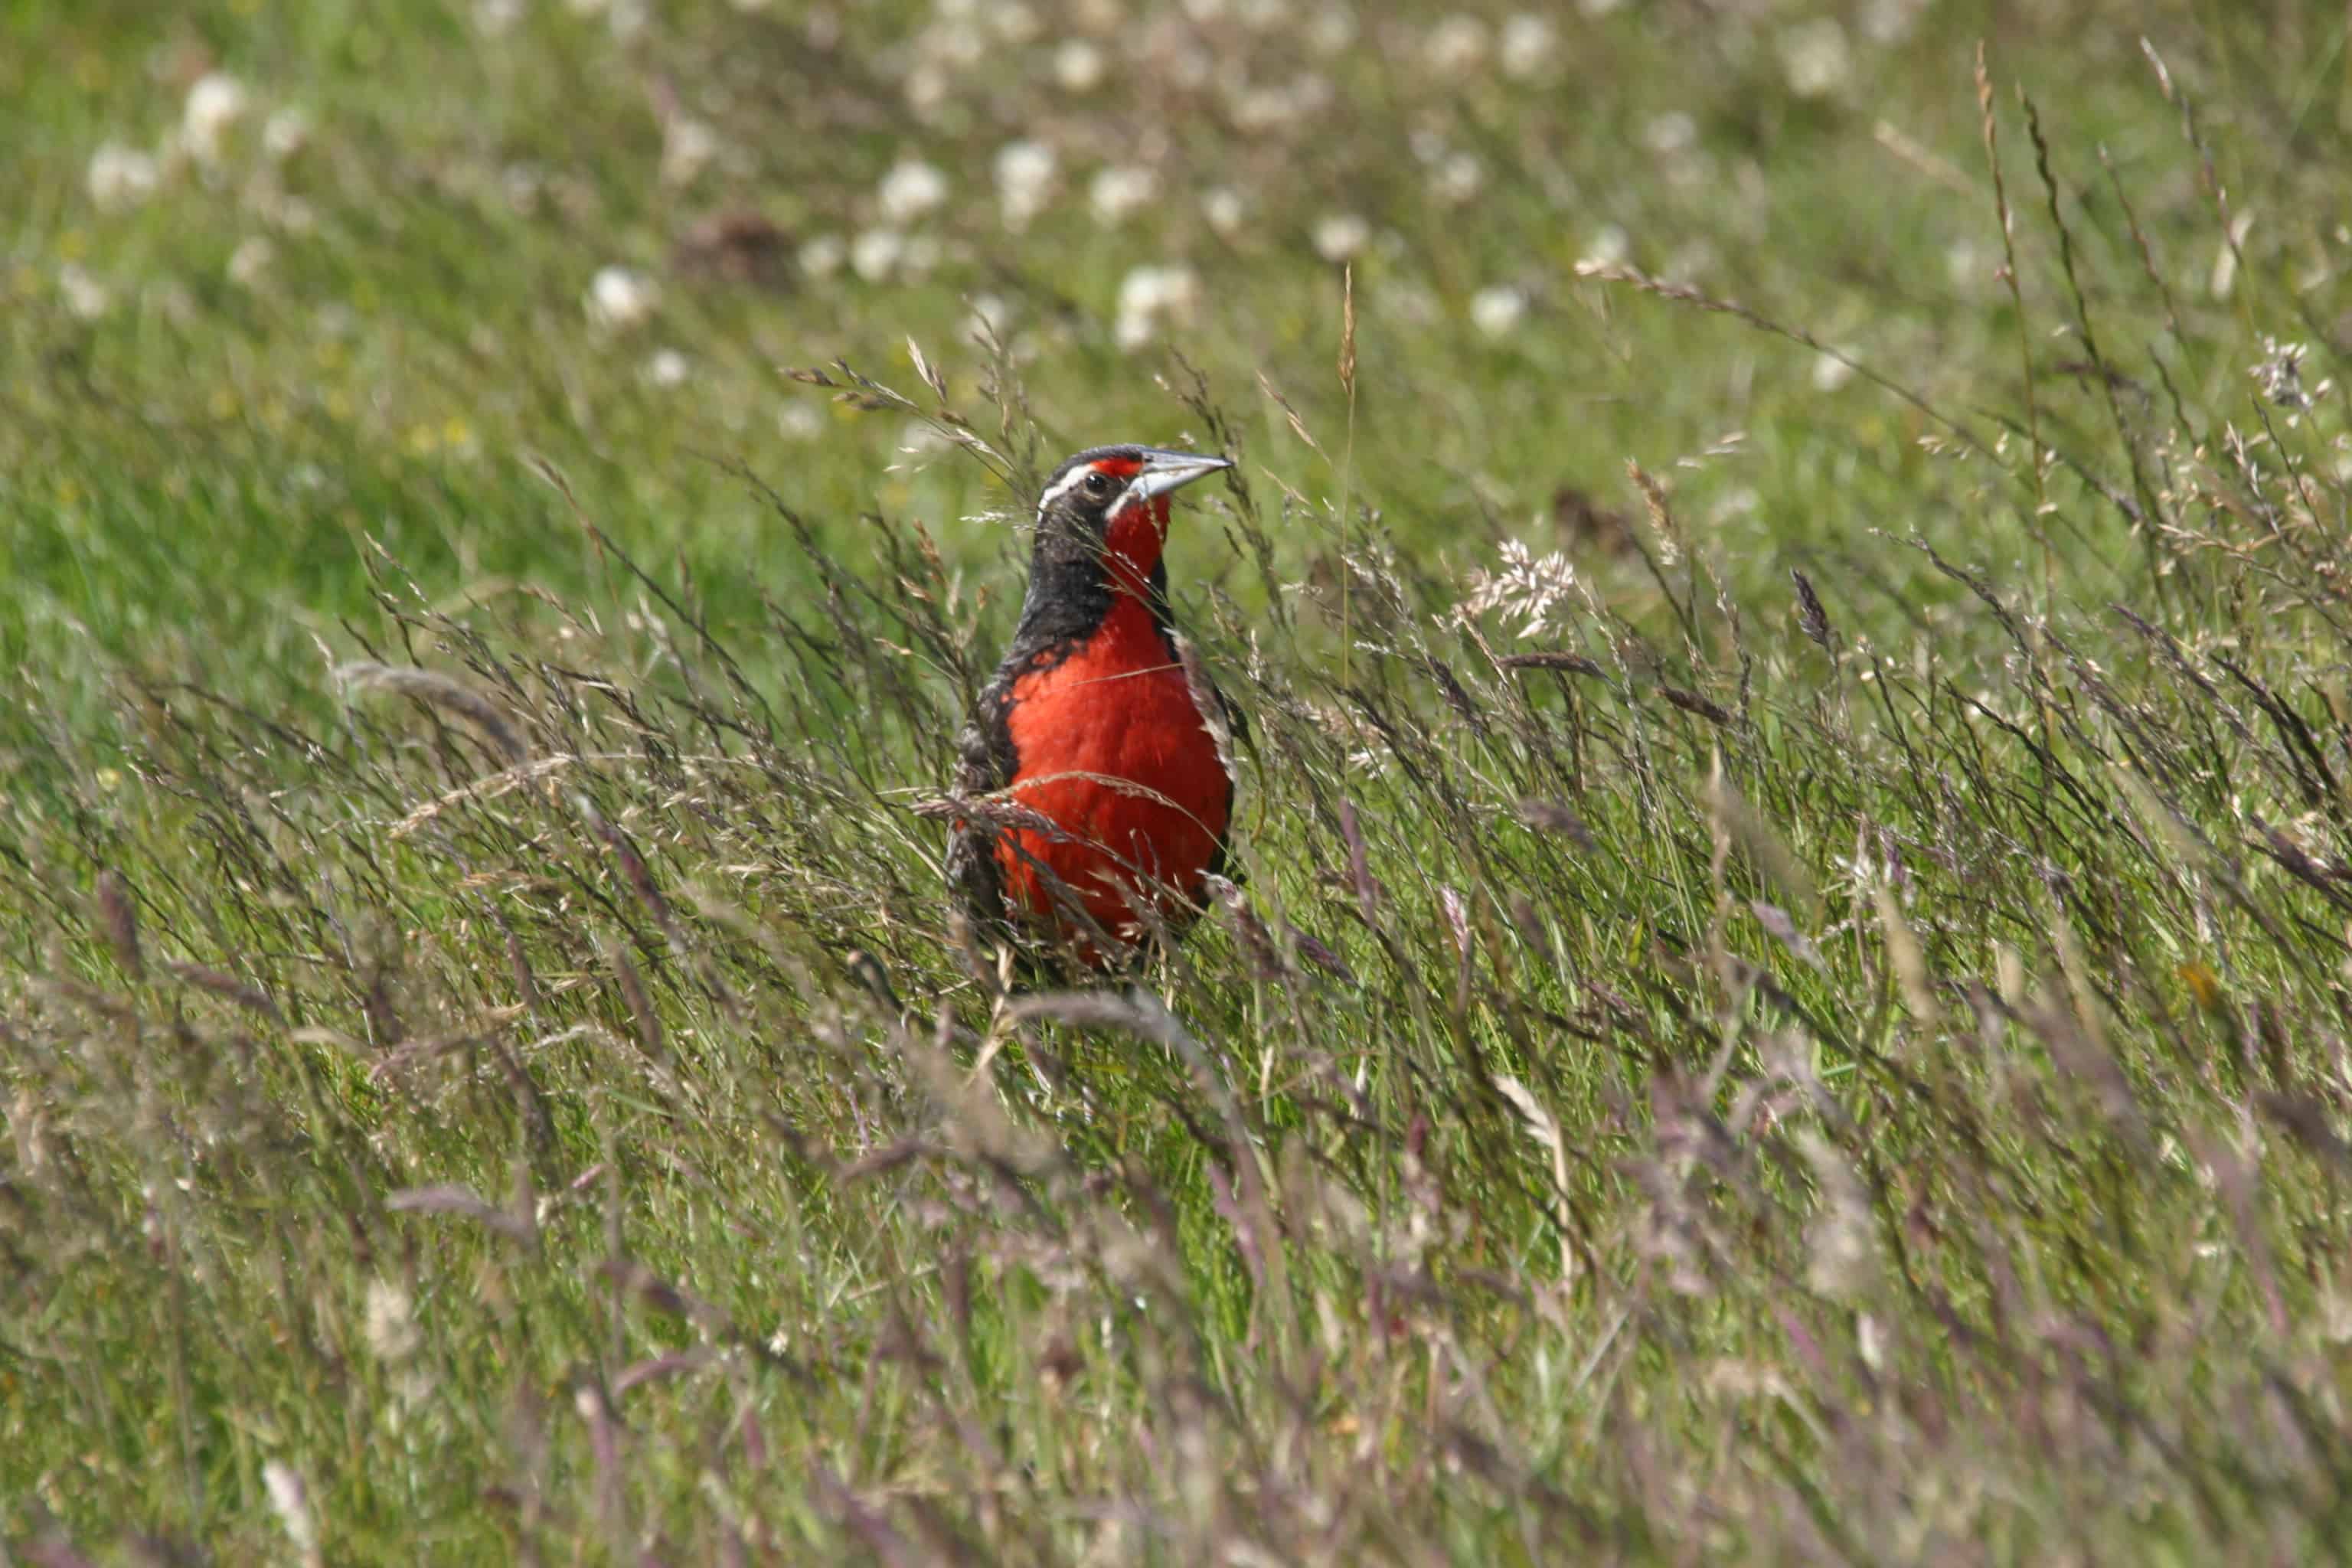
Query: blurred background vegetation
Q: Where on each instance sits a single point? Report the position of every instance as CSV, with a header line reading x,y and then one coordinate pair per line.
x,y
1704,1064
284,278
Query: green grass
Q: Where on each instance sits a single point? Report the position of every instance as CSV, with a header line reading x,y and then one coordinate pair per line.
x,y
487,1067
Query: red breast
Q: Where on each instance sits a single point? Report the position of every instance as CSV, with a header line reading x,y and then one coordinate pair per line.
x,y
1116,750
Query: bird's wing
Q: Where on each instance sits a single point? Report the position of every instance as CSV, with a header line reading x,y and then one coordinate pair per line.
x,y
1224,723
984,763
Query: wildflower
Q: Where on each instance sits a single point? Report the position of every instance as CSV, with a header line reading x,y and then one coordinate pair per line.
x,y
1024,180
1119,190
1078,65
86,297
1456,46
216,102
927,88
284,133
667,367
289,1499
1673,132
1610,247
1457,178
1014,21
1148,296
1891,21
391,1322
1964,264
1223,208
122,176
249,261
798,421
822,257
1340,236
1526,587
1332,30
619,299
687,147
875,253
1814,57
1528,44
910,189
1497,311
1261,109
1830,372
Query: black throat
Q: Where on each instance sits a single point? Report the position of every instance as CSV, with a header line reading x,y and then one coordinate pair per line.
x,y
1070,594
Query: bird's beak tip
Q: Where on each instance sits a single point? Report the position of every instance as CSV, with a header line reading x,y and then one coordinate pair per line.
x,y
1165,472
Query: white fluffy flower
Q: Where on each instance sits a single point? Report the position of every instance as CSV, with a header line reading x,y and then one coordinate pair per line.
x,y
1830,372
86,297
251,261
910,189
122,176
289,1499
1528,45
1457,178
822,257
1151,297
687,147
1079,66
619,299
667,367
1456,46
1340,236
875,254
1610,246
1014,21
1814,57
1673,132
216,102
1223,208
1120,190
1497,311
1024,181
284,133
1332,30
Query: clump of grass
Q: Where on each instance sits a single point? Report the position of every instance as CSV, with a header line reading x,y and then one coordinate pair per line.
x,y
1857,1073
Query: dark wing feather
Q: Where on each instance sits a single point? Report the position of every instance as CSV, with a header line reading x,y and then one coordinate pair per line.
x,y
1220,718
985,763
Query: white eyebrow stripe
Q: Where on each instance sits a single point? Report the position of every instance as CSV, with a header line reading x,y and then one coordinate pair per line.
x,y
1064,485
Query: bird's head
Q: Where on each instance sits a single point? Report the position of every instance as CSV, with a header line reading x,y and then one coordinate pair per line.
x,y
1110,506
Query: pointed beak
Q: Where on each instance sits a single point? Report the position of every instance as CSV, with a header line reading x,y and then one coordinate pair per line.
x,y
1166,471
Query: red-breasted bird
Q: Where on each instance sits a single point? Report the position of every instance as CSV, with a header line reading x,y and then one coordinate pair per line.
x,y
1101,755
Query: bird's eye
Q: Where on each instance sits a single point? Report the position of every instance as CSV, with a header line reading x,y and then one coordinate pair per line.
x,y
1098,483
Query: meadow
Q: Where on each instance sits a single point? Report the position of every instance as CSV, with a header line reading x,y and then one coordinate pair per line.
x,y
1785,991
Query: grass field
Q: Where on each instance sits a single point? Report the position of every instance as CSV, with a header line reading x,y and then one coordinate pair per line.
x,y
1789,994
